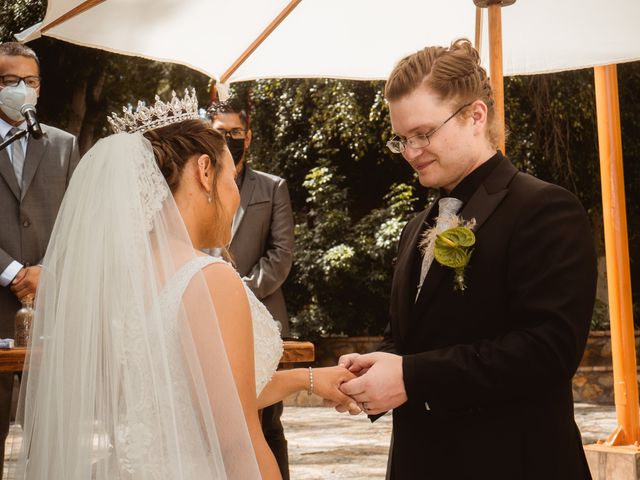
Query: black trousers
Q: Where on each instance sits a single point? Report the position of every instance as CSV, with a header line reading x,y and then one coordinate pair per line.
x,y
274,434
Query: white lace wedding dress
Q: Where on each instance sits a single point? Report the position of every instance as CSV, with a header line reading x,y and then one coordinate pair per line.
x,y
267,343
134,427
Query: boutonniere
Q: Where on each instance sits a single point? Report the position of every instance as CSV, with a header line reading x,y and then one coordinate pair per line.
x,y
451,247
453,250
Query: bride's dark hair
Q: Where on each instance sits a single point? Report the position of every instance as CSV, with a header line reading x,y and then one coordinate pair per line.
x,y
173,146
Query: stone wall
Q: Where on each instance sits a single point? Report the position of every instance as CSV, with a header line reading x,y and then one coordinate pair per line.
x,y
329,350
593,382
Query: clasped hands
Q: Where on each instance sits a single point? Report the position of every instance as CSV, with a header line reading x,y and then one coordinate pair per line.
x,y
371,382
26,282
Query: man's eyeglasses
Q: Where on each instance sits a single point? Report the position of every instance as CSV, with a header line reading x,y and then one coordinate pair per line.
x,y
13,81
235,133
421,140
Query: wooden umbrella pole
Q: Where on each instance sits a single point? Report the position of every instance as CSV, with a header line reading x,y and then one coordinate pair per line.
x,y
495,55
617,254
83,7
478,39
497,79
261,38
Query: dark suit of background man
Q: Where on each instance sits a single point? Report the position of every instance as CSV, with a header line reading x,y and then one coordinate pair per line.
x,y
34,175
479,380
261,245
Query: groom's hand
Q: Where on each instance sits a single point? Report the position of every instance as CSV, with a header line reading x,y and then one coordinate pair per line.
x,y
381,388
349,362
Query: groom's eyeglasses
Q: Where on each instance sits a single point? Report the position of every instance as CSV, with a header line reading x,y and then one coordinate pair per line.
x,y
421,140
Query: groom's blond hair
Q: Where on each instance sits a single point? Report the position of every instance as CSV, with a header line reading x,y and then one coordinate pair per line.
x,y
452,73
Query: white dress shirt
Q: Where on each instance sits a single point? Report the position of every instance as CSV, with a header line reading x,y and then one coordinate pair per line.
x,y
4,130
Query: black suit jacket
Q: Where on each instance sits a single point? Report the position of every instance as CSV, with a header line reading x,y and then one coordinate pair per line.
x,y
488,371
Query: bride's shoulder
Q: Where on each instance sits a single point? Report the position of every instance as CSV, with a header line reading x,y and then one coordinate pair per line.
x,y
223,280
209,263
221,270
231,304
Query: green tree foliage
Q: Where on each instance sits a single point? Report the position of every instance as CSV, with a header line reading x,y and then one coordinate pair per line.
x,y
553,134
16,15
546,130
351,196
298,122
340,282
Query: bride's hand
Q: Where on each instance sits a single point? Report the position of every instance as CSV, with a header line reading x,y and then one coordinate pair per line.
x,y
326,383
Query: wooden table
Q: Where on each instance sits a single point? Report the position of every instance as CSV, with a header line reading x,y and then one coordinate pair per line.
x,y
12,360
298,352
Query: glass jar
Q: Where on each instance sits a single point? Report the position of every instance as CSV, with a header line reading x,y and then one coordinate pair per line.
x,y
24,317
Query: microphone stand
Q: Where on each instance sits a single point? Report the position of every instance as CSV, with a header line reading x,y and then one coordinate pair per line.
x,y
13,138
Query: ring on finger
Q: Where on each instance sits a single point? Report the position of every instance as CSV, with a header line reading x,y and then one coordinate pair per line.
x,y
364,406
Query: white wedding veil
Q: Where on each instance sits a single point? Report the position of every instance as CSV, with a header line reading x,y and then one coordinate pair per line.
x,y
117,387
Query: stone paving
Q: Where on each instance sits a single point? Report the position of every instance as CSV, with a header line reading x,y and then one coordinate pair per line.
x,y
596,422
325,445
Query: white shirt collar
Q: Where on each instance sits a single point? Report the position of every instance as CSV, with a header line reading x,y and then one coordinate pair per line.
x,y
5,127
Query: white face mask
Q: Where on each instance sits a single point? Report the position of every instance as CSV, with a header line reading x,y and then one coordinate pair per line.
x,y
12,99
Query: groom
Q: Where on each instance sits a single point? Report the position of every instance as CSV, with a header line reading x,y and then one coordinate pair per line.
x,y
479,379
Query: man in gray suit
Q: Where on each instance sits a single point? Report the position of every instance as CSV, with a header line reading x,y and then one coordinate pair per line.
x,y
261,245
34,174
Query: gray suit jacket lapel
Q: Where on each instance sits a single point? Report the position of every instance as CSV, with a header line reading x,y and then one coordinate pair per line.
x,y
35,152
7,172
246,192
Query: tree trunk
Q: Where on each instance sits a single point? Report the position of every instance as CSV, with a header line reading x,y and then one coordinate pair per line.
x,y
95,110
78,107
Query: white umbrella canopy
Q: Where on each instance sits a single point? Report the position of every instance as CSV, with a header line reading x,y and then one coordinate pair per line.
x,y
359,39
365,38
207,35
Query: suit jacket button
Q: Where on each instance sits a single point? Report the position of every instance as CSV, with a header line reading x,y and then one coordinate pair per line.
x,y
26,223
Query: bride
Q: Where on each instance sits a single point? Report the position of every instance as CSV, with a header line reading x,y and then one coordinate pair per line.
x,y
149,359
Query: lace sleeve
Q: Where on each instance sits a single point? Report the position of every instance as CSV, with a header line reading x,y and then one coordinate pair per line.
x,y
268,345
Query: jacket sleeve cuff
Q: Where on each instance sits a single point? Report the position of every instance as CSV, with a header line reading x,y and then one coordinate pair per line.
x,y
10,273
415,385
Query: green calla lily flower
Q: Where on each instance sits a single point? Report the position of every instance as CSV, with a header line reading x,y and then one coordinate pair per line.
x,y
453,249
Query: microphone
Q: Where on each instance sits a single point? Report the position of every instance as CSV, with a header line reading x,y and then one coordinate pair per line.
x,y
29,113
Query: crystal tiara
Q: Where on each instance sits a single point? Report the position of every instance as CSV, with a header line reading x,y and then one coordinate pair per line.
x,y
145,118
